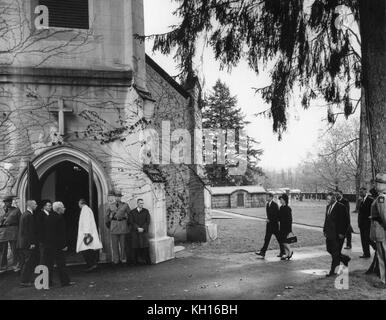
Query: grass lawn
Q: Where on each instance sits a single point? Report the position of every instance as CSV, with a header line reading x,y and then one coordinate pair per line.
x,y
360,288
241,236
310,213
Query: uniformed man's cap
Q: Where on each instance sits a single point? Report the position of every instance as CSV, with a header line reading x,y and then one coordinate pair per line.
x,y
381,178
115,194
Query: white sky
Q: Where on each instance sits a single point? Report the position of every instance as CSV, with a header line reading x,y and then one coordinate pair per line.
x,y
303,126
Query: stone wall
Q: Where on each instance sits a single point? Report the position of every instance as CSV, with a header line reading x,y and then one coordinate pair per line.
x,y
253,200
177,109
220,201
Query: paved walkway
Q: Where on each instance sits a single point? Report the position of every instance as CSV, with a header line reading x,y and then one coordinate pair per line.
x,y
195,275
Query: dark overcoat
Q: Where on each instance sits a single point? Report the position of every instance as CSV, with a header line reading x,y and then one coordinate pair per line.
x,y
27,231
139,220
285,222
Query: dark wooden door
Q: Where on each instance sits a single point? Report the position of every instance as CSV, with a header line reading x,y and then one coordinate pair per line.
x,y
240,200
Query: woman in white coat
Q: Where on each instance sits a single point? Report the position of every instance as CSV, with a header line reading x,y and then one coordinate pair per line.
x,y
88,238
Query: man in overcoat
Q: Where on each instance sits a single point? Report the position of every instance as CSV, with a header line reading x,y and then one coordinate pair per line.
x,y
27,244
140,222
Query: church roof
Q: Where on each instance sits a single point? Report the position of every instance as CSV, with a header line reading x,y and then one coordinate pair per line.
x,y
232,189
181,90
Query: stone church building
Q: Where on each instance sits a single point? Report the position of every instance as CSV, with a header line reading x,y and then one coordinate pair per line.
x,y
85,112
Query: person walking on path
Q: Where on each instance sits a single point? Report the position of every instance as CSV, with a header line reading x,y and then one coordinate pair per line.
x,y
350,230
285,226
272,227
334,229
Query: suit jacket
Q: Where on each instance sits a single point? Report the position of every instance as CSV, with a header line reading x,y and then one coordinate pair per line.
x,y
40,225
273,216
336,222
346,204
365,212
27,231
139,220
285,220
119,218
55,231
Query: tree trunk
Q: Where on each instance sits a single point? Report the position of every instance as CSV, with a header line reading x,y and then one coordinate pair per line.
x,y
373,34
361,176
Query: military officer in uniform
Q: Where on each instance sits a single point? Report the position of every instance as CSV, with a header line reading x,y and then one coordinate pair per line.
x,y
117,220
9,230
378,227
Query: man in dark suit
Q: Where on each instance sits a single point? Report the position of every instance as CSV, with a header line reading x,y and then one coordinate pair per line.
x,y
272,227
364,222
139,220
335,228
54,244
350,230
40,221
27,245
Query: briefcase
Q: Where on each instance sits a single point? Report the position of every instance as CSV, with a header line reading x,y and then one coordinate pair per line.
x,y
291,238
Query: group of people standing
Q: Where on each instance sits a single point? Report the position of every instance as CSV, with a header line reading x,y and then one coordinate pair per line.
x,y
38,237
279,224
129,231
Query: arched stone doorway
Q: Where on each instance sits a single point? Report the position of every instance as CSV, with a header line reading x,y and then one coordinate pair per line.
x,y
65,162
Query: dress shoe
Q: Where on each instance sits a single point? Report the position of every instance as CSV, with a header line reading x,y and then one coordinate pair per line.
x,y
91,269
260,253
26,285
380,285
69,284
331,274
346,261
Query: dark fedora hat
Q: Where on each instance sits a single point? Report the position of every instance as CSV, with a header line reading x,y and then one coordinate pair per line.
x,y
118,194
113,193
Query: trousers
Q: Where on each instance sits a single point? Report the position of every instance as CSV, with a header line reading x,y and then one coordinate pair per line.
x,y
118,243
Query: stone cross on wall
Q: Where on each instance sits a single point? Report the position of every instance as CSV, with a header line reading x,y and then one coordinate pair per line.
x,y
61,110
